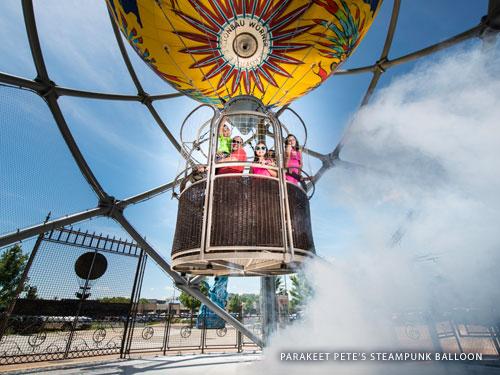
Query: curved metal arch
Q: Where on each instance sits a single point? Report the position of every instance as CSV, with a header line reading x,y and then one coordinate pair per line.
x,y
301,121
203,126
384,65
385,51
50,98
146,98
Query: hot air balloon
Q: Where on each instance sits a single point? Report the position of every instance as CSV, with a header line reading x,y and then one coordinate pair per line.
x,y
243,215
214,50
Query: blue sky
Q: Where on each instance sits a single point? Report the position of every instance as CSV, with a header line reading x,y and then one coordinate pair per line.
x,y
128,152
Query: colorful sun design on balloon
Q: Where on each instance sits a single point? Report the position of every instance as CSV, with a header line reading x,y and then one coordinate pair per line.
x,y
244,41
213,50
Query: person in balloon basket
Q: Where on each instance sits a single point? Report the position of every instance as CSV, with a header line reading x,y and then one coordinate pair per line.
x,y
293,159
261,161
237,154
223,142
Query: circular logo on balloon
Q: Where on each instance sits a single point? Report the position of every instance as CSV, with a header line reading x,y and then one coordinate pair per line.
x,y
245,43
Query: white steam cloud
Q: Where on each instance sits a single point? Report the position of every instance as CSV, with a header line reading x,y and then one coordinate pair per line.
x,y
426,195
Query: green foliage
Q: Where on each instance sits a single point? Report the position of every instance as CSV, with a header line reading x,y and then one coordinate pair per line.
x,y
115,300
250,303
143,300
301,292
12,262
235,303
279,288
32,292
190,302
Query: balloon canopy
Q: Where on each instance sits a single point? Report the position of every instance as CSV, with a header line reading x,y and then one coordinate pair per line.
x,y
213,50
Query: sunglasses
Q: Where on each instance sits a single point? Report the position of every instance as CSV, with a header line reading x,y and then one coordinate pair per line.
x,y
236,142
261,148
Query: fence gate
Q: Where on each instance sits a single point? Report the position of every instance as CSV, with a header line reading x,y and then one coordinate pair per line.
x,y
75,298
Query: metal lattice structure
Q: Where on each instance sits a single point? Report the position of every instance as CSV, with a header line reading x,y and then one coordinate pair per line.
x,y
77,315
110,207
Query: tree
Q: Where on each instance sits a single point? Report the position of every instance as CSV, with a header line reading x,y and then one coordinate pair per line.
x,y
301,291
278,286
250,303
190,302
235,304
114,300
31,292
12,263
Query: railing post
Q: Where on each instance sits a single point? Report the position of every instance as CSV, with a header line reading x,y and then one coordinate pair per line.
x,y
207,210
166,336
134,314
74,324
431,326
456,333
203,334
492,329
239,341
133,305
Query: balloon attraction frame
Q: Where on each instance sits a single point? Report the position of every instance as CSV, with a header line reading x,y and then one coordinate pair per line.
x,y
113,208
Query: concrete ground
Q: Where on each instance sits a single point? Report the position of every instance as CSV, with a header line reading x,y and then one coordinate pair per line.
x,y
249,364
205,364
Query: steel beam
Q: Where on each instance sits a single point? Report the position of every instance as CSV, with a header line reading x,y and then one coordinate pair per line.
x,y
377,73
165,96
147,194
51,99
165,130
471,33
22,234
268,306
41,88
125,57
181,282
64,91
146,99
21,82
493,18
110,96
34,42
314,154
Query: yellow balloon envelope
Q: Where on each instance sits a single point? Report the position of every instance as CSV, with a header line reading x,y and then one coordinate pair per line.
x,y
213,50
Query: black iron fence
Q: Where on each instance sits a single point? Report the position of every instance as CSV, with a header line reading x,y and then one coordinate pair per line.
x,y
183,332
78,296
71,298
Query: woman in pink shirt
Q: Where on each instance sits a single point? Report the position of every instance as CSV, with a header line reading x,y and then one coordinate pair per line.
x,y
260,162
293,159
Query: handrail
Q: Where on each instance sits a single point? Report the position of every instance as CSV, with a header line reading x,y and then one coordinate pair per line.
x,y
301,121
248,163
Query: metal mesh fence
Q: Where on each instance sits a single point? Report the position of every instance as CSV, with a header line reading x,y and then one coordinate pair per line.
x,y
184,333
75,300
37,172
117,138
